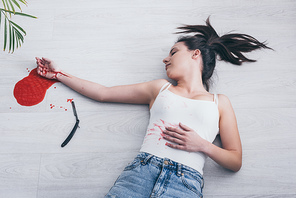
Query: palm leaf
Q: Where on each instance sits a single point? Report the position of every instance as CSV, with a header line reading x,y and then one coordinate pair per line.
x,y
18,13
26,15
20,36
11,5
16,3
17,41
24,2
10,37
13,43
4,4
7,5
13,33
5,34
16,25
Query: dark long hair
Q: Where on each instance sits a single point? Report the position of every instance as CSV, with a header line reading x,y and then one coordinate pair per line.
x,y
229,47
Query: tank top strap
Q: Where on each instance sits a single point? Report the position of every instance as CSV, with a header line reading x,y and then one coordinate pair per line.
x,y
165,86
216,99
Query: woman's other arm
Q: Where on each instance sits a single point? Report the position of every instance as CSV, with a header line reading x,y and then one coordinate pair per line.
x,y
229,156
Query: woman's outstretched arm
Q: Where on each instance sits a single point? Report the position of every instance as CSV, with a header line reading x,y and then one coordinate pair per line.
x,y
141,93
229,156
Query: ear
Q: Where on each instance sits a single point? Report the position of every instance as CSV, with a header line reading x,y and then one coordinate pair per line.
x,y
196,54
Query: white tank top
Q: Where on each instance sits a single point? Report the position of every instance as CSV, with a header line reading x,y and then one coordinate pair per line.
x,y
170,109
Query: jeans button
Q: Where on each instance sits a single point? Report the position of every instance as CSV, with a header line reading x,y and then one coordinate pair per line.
x,y
166,162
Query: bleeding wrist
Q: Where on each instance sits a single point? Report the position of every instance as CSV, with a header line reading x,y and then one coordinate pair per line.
x,y
59,74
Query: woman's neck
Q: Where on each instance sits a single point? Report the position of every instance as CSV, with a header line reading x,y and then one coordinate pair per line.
x,y
191,85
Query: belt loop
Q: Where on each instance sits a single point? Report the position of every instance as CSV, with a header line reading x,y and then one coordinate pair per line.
x,y
144,162
179,169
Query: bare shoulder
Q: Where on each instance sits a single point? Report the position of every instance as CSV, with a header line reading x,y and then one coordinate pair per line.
x,y
223,99
224,105
157,84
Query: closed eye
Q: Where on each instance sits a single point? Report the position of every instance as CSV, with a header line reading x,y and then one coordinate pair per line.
x,y
173,51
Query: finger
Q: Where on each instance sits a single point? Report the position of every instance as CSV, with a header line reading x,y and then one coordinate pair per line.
x,y
175,146
175,129
40,71
184,127
173,139
173,134
44,72
40,67
38,60
46,60
42,62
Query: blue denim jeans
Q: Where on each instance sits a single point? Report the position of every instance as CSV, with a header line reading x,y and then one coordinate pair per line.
x,y
151,176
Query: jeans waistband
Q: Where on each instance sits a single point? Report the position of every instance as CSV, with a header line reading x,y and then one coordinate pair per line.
x,y
170,164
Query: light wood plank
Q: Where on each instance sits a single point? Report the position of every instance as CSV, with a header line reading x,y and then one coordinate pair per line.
x,y
19,175
264,172
81,175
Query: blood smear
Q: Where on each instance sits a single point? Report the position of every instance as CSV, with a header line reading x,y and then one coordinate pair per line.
x,y
31,90
70,100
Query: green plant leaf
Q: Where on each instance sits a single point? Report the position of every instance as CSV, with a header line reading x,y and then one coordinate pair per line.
x,y
16,25
18,13
24,2
13,33
10,37
16,3
26,15
4,5
5,34
16,40
11,5
20,36
13,43
7,5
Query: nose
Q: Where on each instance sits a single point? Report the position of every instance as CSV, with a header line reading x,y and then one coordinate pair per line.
x,y
166,60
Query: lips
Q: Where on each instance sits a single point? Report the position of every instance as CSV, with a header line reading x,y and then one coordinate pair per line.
x,y
166,66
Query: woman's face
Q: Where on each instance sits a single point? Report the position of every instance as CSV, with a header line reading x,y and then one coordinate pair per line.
x,y
177,63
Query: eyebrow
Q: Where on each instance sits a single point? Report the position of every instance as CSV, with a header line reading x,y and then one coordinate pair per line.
x,y
172,50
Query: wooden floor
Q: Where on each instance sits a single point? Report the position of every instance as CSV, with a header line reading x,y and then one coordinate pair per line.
x,y
122,42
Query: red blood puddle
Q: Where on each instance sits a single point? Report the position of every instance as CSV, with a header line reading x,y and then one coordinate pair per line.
x,y
31,90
